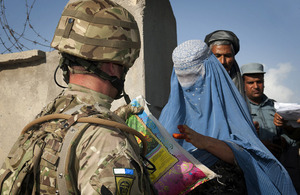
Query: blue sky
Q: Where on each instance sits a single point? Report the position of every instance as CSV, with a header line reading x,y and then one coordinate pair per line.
x,y
268,30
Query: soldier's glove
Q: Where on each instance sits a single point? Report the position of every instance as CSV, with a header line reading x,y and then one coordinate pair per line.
x,y
126,111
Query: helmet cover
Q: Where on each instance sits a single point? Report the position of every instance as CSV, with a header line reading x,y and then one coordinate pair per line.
x,y
98,30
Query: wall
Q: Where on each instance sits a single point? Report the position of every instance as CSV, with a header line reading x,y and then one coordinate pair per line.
x,y
26,78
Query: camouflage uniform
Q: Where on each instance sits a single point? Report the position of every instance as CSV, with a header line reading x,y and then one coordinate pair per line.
x,y
98,159
102,149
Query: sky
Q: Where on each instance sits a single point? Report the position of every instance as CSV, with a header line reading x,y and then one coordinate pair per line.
x,y
268,30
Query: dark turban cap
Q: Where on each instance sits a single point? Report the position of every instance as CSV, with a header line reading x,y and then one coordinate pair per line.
x,y
223,35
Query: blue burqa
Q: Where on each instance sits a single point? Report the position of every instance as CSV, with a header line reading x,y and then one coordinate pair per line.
x,y
204,97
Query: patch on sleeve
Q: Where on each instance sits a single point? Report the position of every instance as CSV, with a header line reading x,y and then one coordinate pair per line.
x,y
124,179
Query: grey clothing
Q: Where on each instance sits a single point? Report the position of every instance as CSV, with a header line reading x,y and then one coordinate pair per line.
x,y
235,75
264,113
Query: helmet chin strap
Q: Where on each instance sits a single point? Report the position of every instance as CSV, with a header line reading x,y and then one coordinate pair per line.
x,y
92,68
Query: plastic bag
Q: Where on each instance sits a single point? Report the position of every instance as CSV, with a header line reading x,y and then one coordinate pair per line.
x,y
177,171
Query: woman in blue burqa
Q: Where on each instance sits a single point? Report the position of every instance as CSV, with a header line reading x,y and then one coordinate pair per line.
x,y
211,120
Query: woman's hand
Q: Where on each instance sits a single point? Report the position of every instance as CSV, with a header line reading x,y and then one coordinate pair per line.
x,y
216,147
189,135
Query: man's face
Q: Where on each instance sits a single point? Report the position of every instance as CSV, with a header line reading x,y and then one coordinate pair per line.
x,y
254,87
224,54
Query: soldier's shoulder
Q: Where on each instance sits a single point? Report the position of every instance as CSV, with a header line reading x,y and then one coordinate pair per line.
x,y
99,135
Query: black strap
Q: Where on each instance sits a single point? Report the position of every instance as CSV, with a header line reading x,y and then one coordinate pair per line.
x,y
105,191
55,80
148,162
92,67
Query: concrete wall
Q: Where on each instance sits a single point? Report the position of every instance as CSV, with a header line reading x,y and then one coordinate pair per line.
x,y
26,81
26,78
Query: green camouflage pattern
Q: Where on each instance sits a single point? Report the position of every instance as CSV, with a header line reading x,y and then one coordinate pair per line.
x,y
20,161
90,30
94,152
125,111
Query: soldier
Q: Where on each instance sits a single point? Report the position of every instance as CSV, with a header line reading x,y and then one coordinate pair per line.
x,y
99,41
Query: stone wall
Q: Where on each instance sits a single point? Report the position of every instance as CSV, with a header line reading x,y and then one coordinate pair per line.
x,y
27,82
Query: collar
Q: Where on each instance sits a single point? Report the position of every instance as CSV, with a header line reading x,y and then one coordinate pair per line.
x,y
265,99
89,96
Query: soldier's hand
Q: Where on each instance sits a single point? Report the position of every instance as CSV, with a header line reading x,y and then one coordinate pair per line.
x,y
125,111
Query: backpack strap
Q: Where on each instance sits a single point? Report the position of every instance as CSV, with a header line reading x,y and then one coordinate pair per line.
x,y
3,177
36,157
72,132
64,156
91,120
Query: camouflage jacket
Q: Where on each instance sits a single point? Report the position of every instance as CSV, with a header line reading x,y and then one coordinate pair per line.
x,y
105,160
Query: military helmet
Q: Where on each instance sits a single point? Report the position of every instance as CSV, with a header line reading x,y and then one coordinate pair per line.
x,y
98,30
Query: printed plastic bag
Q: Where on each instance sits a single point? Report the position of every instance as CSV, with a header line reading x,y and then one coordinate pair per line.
x,y
177,171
